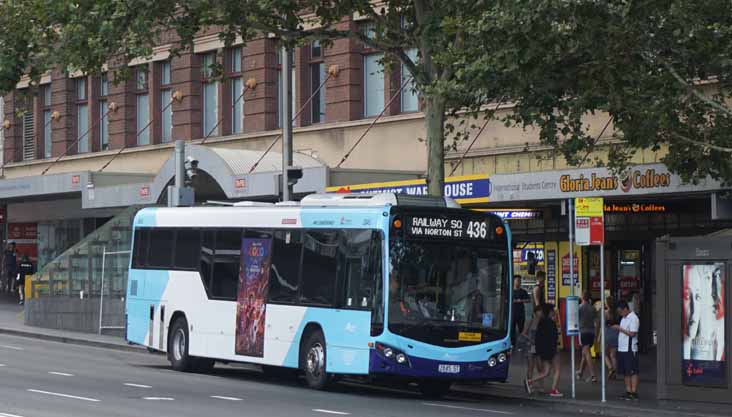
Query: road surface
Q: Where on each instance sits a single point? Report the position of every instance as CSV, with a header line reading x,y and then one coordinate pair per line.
x,y
48,379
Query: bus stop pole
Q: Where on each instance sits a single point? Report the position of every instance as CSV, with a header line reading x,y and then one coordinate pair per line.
x,y
602,319
570,215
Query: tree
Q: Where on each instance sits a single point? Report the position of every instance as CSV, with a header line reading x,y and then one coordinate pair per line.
x,y
661,71
87,34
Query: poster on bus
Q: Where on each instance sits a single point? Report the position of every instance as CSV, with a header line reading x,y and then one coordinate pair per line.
x,y
703,324
252,296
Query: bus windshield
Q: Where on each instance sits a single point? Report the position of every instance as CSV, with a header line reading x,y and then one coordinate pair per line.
x,y
447,294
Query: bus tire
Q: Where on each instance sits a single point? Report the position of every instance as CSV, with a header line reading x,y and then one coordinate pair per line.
x,y
313,360
178,344
434,389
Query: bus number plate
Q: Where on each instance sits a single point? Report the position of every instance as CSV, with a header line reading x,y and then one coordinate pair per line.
x,y
448,369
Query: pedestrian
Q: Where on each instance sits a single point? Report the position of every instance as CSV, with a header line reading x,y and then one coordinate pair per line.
x,y
25,268
547,337
520,299
588,324
11,267
538,292
628,349
611,340
529,338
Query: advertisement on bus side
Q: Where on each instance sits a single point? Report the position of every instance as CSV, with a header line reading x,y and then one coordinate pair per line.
x,y
252,296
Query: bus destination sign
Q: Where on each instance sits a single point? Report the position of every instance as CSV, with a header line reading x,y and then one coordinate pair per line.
x,y
436,227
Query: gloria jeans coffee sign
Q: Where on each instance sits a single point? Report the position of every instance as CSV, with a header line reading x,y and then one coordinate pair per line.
x,y
592,182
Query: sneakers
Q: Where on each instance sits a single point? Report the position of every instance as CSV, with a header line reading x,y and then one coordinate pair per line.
x,y
527,386
555,393
629,396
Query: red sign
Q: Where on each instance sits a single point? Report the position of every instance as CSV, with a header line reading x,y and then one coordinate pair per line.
x,y
240,183
145,191
597,231
629,283
75,179
25,236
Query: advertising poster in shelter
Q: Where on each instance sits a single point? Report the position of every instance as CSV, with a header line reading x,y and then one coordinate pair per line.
x,y
252,296
703,324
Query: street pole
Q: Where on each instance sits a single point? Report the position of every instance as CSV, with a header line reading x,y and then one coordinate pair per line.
x,y
602,311
286,103
175,190
570,214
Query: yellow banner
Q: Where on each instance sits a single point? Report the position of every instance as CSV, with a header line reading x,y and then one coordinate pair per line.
x,y
588,206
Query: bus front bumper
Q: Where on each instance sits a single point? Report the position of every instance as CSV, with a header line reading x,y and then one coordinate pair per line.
x,y
419,368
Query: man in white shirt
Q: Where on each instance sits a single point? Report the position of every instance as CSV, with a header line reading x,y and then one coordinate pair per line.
x,y
628,349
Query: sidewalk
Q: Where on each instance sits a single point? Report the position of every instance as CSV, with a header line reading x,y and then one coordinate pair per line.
x,y
588,394
11,322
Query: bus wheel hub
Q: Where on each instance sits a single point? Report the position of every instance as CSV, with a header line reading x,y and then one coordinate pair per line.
x,y
315,360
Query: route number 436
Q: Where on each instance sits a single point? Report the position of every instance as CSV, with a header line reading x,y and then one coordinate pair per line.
x,y
477,230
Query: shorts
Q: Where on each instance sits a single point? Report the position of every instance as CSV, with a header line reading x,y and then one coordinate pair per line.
x,y
628,363
587,339
546,356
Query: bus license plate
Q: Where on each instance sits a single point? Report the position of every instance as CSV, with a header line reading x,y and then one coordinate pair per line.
x,y
448,369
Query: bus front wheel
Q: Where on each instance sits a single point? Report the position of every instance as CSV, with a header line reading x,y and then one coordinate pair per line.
x,y
434,389
178,347
313,361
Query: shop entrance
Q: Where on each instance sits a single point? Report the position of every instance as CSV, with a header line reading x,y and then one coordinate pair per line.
x,y
627,277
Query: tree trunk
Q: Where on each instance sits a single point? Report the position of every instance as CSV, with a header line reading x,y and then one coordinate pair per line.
x,y
434,122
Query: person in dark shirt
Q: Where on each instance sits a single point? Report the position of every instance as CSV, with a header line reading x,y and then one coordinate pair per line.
x,y
520,299
11,267
547,338
25,268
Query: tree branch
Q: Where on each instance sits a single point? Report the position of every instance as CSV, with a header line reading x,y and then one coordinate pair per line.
x,y
703,144
694,91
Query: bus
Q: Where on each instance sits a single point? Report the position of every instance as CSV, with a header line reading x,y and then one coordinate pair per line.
x,y
383,286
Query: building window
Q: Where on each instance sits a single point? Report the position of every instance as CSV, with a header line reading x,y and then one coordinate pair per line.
x,y
373,85
410,98
237,89
46,104
317,76
29,145
166,109
210,95
103,110
280,91
82,116
143,106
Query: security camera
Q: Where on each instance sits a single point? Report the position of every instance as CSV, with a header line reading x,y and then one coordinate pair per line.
x,y
191,165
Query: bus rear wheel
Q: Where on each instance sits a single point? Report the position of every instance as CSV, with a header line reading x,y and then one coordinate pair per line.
x,y
313,361
434,389
178,343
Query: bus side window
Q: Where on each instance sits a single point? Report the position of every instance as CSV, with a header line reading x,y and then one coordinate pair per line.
x,y
208,245
225,278
139,257
319,267
187,248
284,276
356,282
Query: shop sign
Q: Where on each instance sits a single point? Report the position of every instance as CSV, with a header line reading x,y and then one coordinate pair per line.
x,y
635,208
593,182
565,271
589,225
463,189
516,214
629,284
551,274
703,325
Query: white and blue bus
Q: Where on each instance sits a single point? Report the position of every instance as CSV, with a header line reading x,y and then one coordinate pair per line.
x,y
382,286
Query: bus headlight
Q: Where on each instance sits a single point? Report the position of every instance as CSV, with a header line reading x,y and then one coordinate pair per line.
x,y
492,361
392,354
502,357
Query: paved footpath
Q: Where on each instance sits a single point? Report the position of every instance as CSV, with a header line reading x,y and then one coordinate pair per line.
x,y
511,394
